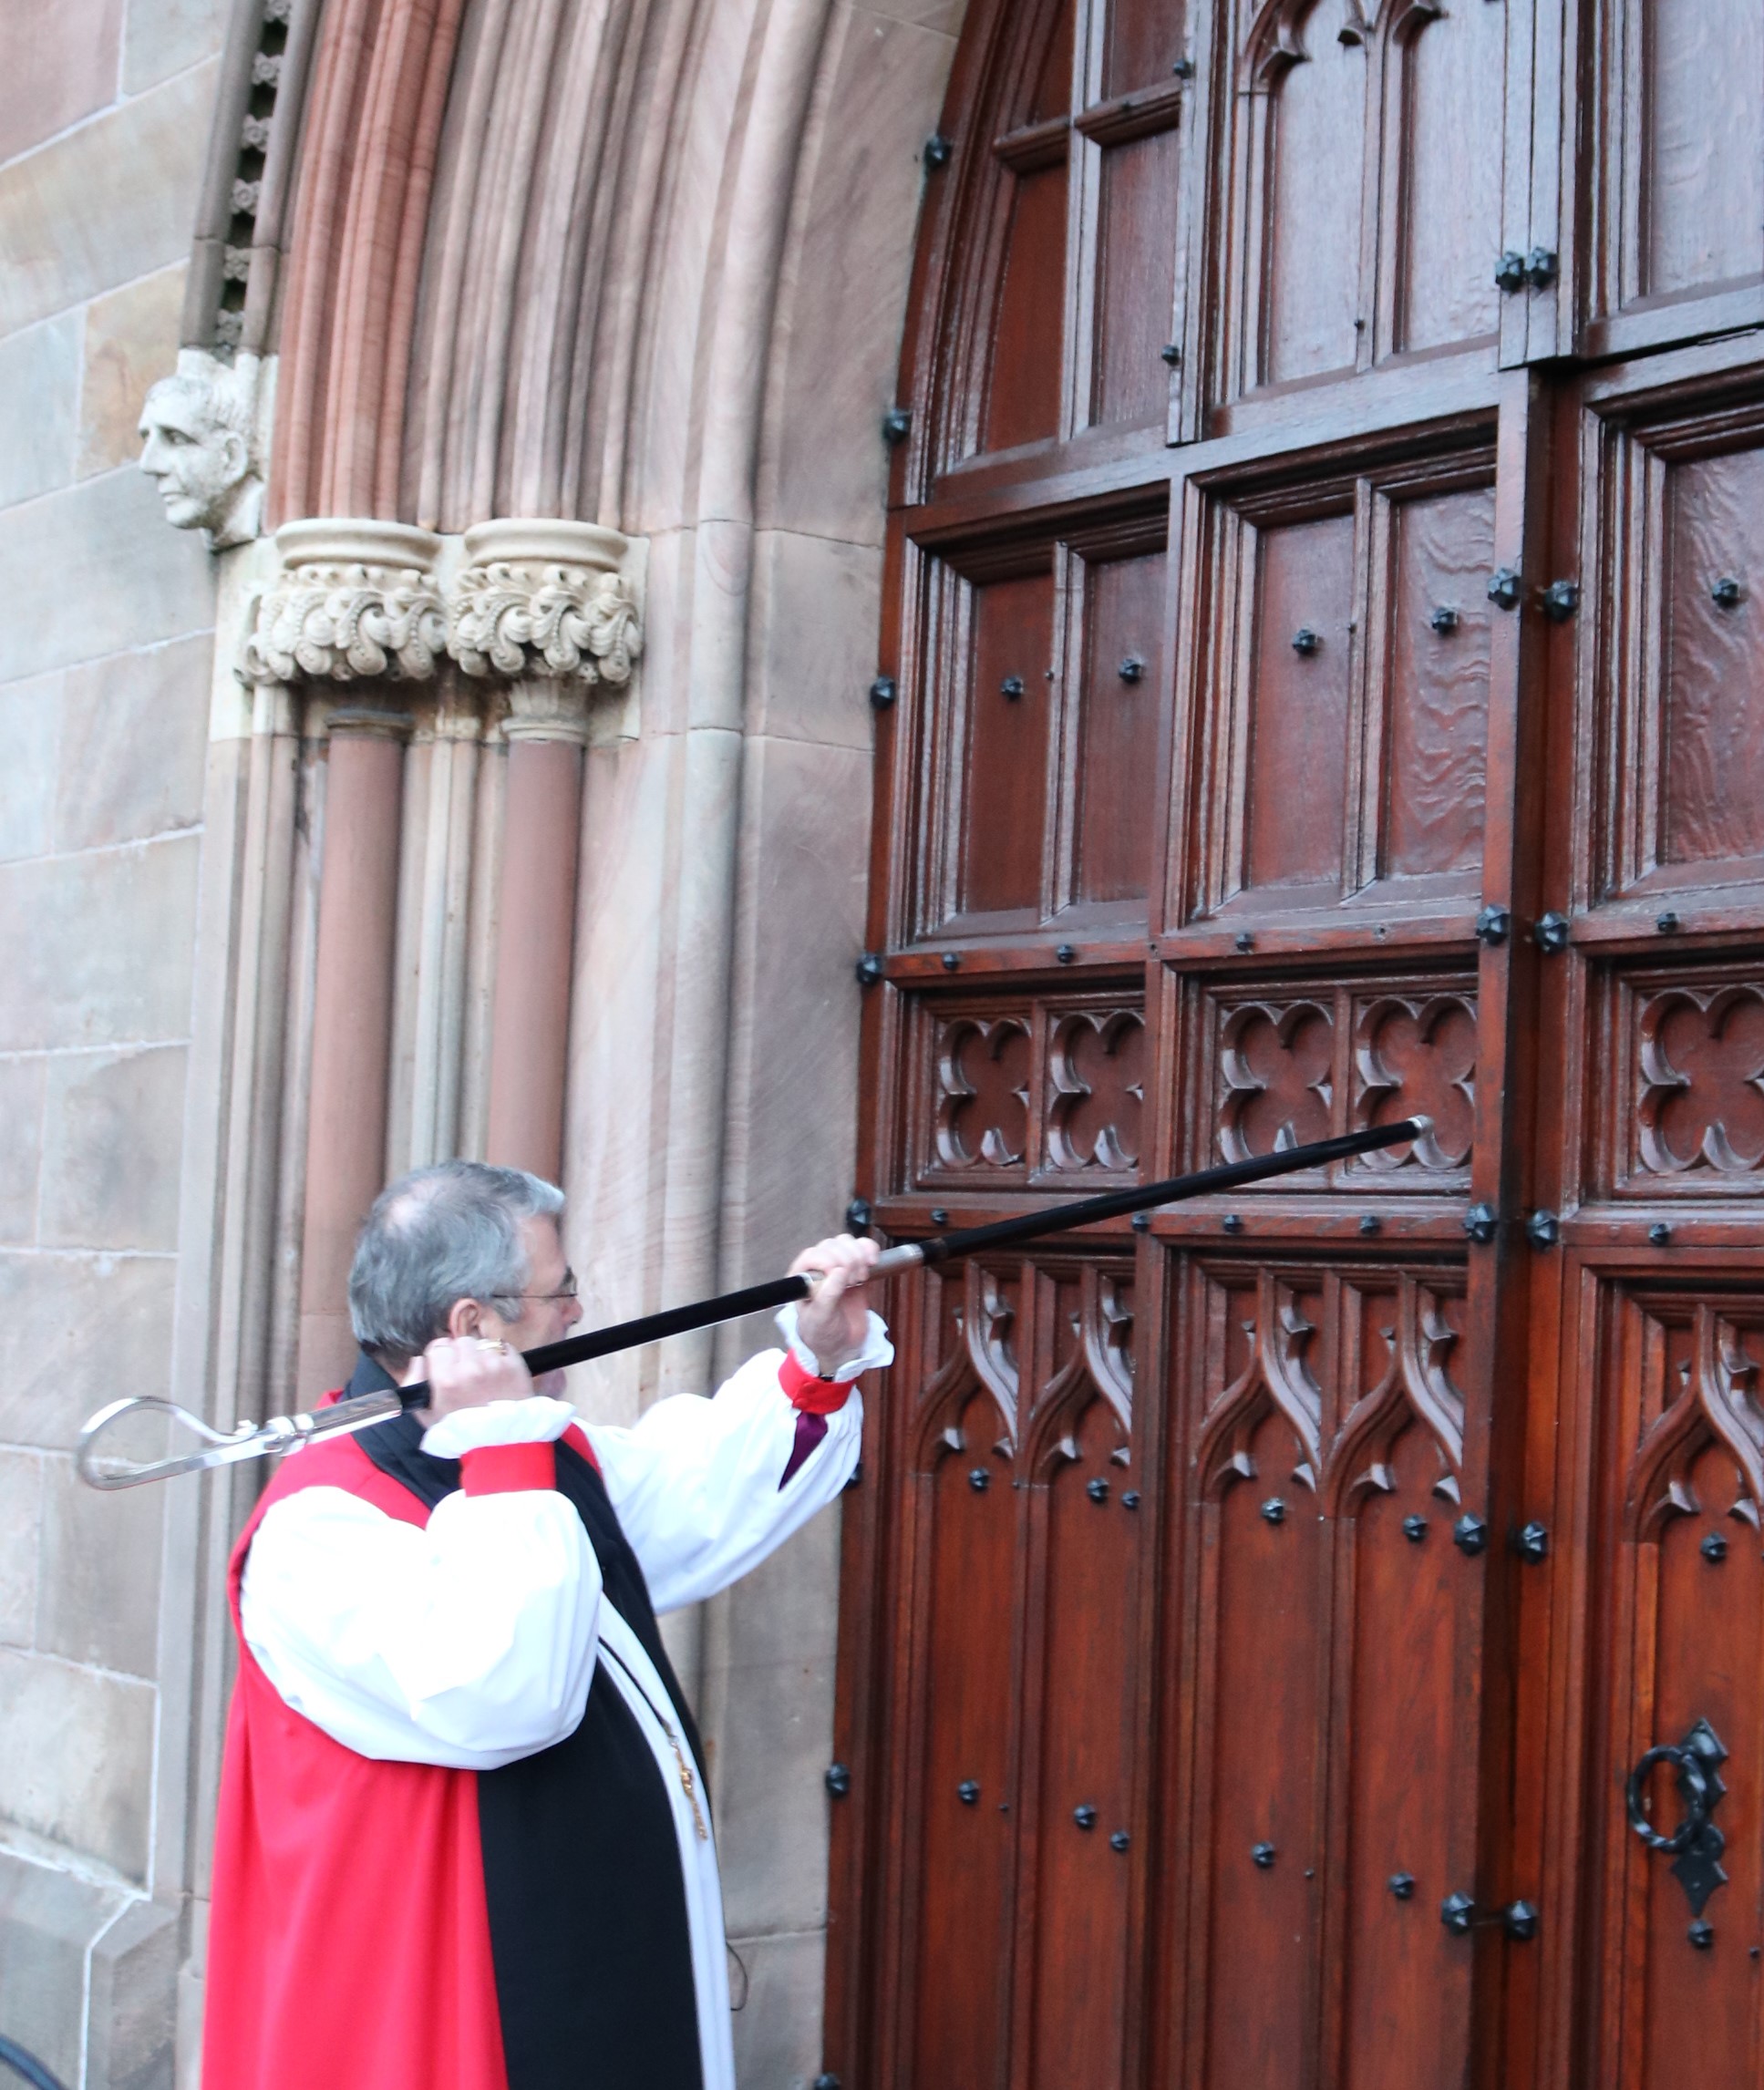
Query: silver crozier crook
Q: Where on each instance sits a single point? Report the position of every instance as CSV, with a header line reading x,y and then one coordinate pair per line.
x,y
288,1433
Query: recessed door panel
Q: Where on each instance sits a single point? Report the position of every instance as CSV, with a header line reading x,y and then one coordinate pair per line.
x,y
1121,695
1003,780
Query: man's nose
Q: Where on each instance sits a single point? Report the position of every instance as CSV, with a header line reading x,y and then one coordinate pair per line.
x,y
571,1311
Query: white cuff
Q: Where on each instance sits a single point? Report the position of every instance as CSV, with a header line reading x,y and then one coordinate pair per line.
x,y
535,1420
877,1349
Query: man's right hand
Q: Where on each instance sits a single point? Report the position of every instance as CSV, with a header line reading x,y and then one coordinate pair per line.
x,y
467,1372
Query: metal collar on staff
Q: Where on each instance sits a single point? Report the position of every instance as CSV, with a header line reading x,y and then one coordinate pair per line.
x,y
362,1410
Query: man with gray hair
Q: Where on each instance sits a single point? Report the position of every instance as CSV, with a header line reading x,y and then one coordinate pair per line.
x,y
464,1842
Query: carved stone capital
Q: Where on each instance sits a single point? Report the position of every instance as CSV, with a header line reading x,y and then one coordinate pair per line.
x,y
545,707
545,599
355,600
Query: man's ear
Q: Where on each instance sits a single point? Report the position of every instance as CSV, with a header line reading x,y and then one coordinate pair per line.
x,y
464,1317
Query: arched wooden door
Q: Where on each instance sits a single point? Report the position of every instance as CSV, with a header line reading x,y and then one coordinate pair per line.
x,y
1323,678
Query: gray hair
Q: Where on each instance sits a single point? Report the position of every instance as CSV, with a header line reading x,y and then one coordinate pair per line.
x,y
435,1236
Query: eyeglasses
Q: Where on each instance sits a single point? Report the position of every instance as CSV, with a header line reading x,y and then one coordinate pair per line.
x,y
567,1289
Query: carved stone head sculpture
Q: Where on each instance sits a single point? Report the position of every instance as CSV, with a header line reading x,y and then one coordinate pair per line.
x,y
198,447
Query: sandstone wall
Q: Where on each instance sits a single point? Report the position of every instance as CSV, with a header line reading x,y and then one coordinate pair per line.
x,y
104,695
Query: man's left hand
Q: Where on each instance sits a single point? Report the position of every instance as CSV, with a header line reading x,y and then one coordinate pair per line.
x,y
835,1320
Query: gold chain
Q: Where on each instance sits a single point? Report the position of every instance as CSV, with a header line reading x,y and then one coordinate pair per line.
x,y
688,1783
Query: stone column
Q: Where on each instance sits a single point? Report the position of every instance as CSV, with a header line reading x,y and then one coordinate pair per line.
x,y
546,729
542,603
355,605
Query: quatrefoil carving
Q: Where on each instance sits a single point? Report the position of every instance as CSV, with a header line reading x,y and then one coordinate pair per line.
x,y
1277,1065
1702,1087
982,1078
1418,1056
1096,1072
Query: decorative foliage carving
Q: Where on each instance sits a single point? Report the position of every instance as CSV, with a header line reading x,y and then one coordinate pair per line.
x,y
983,1080
1276,1377
1277,1065
1716,1403
346,623
1411,1054
519,618
1701,1060
1415,1387
1096,1076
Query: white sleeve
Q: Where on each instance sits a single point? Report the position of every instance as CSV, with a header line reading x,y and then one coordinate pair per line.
x,y
470,1642
699,1485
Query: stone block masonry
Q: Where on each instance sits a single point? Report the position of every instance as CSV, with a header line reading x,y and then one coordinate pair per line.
x,y
105,662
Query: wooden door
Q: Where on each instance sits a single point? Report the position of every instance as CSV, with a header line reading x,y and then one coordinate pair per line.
x,y
1309,695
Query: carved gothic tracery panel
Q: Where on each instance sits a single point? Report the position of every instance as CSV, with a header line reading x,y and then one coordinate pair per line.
x,y
1312,1061
1044,1087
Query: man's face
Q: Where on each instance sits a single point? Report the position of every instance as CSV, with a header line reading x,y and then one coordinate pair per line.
x,y
194,465
550,1308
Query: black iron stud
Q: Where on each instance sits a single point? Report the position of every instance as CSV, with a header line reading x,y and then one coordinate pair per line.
x,y
1308,642
1725,594
1550,933
883,691
1504,587
1065,953
1493,925
1480,1224
979,1479
1402,1885
838,1780
1130,1500
1542,1231
858,1216
1518,1919
1560,600
939,1216
951,960
1274,1511
1541,268
1444,620
897,425
1232,1222
1509,271
1172,355
1666,924
1132,669
1140,1223
1097,1489
1263,1855
1183,68
1012,686
968,1792
1456,1912
937,150
1120,1840
1469,1535
1370,1223
1701,1933
1659,1233
1085,1816
1415,1529
1244,941
826,2080
870,969
1714,1547
1531,1542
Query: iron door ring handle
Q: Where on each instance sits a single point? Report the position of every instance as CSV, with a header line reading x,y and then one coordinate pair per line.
x,y
1692,1784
